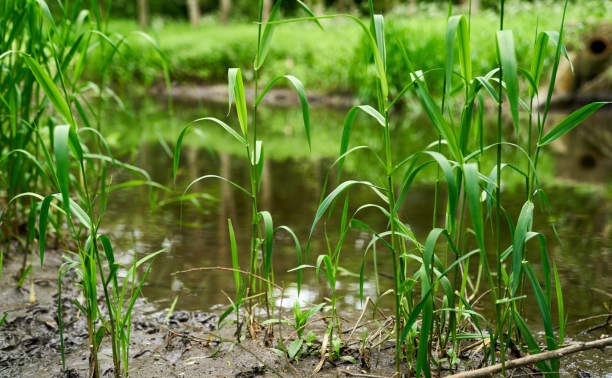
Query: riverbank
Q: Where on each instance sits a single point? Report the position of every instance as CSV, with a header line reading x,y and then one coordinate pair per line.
x,y
333,61
188,344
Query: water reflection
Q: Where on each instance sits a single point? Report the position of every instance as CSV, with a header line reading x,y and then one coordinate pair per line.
x,y
291,187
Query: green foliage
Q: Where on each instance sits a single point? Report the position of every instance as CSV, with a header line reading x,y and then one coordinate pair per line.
x,y
432,300
42,150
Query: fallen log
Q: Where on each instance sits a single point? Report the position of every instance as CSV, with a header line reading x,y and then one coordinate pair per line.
x,y
558,353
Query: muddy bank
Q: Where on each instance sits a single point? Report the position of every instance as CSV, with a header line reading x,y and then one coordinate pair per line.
x,y
188,344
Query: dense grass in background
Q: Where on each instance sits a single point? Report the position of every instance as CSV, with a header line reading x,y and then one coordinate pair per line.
x,y
334,60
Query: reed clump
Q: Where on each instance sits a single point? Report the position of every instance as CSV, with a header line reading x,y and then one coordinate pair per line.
x,y
55,163
432,288
56,166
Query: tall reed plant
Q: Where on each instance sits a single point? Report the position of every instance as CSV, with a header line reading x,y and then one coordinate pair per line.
x,y
43,150
259,278
435,313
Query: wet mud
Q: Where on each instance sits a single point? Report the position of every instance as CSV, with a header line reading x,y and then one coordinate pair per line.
x,y
185,344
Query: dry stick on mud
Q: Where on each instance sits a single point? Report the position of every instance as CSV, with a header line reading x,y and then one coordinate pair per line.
x,y
578,347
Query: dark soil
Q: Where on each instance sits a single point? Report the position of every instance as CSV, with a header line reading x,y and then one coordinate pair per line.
x,y
188,344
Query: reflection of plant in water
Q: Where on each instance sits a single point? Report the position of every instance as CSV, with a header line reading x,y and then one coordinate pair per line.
x,y
259,282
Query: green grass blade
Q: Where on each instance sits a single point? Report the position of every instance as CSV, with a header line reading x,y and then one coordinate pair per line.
x,y
489,88
108,248
435,116
537,62
560,306
379,33
3,318
219,177
76,210
267,35
544,312
47,15
457,26
42,226
236,91
554,38
329,272
555,68
269,240
179,143
533,86
570,122
331,198
102,139
235,265
299,87
258,161
50,89
532,344
523,226
348,127
110,257
422,363
171,309
298,251
62,163
507,58
24,275
309,12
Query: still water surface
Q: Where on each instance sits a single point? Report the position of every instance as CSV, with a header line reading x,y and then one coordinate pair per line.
x,y
579,198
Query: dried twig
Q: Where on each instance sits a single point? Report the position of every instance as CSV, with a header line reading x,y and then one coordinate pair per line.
x,y
559,353
340,371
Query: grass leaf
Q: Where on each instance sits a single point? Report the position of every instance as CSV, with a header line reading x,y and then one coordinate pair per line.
x,y
570,122
457,26
50,89
523,226
269,240
309,12
348,127
236,90
267,35
299,87
235,264
507,58
179,142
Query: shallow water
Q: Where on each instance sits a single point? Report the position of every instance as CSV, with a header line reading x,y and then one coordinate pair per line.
x,y
579,199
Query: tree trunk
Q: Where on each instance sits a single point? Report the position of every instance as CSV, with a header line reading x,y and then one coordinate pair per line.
x,y
193,9
475,4
345,6
319,7
267,8
143,13
412,6
225,9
